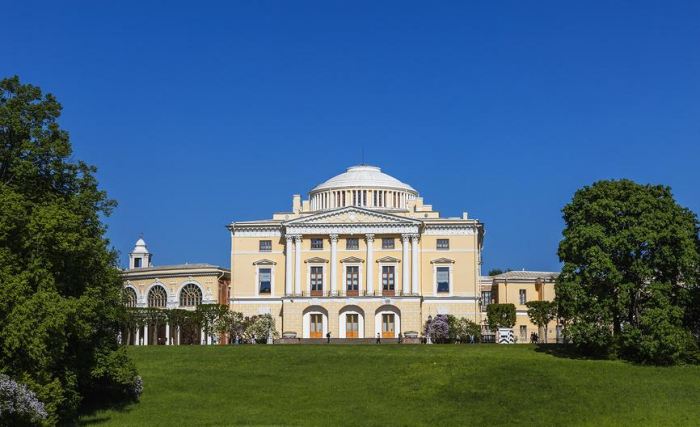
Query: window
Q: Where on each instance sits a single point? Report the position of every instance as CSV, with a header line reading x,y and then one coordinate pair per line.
x,y
352,280
316,244
485,298
157,297
388,280
352,244
523,297
443,279
131,298
265,280
523,332
265,245
316,281
388,325
190,295
388,243
137,262
443,244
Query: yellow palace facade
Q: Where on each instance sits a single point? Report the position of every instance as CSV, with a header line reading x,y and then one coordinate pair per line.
x,y
362,256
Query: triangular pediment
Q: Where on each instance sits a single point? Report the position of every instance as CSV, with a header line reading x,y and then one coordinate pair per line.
x,y
316,260
352,259
442,261
388,259
353,215
264,262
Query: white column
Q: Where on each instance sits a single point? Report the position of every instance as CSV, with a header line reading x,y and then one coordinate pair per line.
x,y
297,265
201,337
288,266
179,335
145,335
414,264
370,263
406,262
138,336
167,334
334,273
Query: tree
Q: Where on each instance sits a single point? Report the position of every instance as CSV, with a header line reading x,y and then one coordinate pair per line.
x,y
60,290
210,315
500,315
541,313
497,271
631,260
438,329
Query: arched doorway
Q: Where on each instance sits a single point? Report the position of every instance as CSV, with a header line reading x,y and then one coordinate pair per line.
x,y
315,322
351,322
387,321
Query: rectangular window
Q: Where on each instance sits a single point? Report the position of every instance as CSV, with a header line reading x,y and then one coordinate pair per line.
x,y
388,243
523,297
443,244
137,262
352,280
316,244
485,298
265,245
388,280
523,332
443,279
265,280
316,281
352,244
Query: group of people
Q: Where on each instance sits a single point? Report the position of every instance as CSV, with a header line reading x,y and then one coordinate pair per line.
x,y
534,338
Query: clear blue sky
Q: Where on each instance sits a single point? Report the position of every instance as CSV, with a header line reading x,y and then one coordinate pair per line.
x,y
199,114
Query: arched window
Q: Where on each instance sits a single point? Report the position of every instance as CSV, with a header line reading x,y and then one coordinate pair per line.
x,y
157,297
190,295
130,297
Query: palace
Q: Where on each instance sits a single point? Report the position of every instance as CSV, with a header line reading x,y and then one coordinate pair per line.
x,y
362,257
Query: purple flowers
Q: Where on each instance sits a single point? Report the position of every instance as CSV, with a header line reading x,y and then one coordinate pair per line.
x,y
18,404
438,329
137,387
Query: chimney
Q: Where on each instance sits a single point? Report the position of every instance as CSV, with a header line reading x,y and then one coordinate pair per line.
x,y
296,203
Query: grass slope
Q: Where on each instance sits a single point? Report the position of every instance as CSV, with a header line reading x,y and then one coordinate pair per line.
x,y
372,385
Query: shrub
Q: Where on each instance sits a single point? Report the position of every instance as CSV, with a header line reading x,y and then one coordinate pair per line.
x,y
19,405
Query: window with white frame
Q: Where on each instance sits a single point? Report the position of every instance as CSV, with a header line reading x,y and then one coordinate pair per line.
x,y
265,280
316,280
443,279
265,245
352,244
352,279
443,244
523,296
485,298
388,243
316,244
388,280
523,332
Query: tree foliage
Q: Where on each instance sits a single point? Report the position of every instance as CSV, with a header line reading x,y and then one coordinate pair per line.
x,y
449,328
630,273
541,313
60,289
497,271
500,315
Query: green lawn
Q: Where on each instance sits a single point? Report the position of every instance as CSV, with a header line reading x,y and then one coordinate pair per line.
x,y
372,385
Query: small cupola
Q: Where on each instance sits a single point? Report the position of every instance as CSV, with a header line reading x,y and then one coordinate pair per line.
x,y
140,257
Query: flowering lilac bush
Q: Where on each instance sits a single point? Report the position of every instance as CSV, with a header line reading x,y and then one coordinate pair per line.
x,y
19,405
438,329
137,388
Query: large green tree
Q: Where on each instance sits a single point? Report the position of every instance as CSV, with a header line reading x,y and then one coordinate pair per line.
x,y
541,313
630,272
500,316
60,290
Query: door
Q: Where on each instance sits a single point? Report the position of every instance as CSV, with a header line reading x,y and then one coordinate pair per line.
x,y
388,326
388,280
352,280
316,326
351,326
316,281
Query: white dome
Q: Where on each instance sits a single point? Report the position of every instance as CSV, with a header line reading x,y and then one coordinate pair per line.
x,y
140,247
363,176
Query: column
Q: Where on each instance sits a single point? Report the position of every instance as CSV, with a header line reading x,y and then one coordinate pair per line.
x,y
167,334
138,336
334,273
414,264
288,266
179,335
406,262
370,263
297,265
145,335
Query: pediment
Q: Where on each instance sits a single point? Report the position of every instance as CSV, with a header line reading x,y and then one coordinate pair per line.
x,y
352,215
442,261
316,260
264,262
388,259
352,259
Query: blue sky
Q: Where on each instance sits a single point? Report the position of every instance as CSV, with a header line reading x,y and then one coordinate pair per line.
x,y
197,115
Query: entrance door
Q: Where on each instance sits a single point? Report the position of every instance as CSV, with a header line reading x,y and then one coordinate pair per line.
x,y
388,326
316,326
351,326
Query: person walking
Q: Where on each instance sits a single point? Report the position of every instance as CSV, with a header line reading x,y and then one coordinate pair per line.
x,y
328,338
379,338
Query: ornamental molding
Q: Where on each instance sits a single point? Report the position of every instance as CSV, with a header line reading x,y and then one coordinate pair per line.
x,y
353,229
449,230
352,259
256,231
264,262
316,260
388,259
442,261
351,215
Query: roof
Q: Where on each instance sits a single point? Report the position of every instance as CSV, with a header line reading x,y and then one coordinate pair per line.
x,y
363,176
527,275
140,247
175,267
